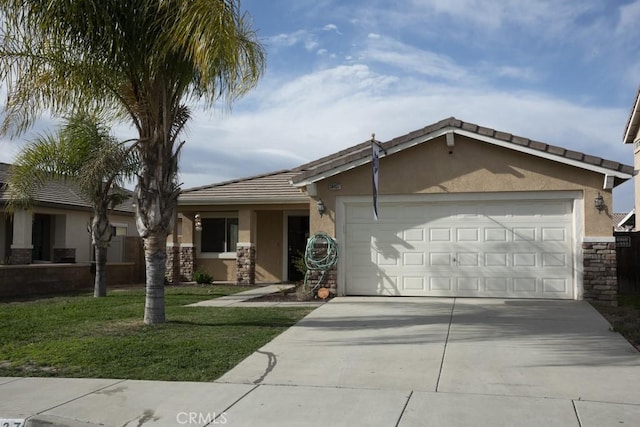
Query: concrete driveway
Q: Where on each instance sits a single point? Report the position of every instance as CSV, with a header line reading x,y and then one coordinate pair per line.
x,y
441,361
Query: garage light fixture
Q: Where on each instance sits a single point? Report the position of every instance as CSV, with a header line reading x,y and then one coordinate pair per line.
x,y
321,207
599,203
198,222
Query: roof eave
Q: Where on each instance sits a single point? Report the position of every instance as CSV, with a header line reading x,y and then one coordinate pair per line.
x,y
631,130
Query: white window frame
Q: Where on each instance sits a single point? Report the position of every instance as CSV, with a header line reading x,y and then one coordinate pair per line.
x,y
214,255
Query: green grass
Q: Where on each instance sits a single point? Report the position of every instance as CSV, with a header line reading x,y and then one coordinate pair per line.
x,y
82,336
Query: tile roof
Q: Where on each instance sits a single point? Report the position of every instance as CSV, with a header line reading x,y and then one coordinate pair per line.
x,y
624,221
56,194
272,187
360,152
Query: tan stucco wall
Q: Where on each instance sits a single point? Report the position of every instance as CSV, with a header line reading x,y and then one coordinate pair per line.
x,y
472,167
269,252
220,269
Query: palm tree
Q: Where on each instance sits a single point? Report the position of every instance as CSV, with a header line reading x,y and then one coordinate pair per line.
x,y
84,154
142,60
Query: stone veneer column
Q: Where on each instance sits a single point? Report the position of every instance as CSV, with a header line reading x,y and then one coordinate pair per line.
x,y
187,261
172,273
600,278
246,264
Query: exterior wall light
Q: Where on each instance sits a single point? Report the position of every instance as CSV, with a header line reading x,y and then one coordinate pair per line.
x,y
598,202
321,207
198,222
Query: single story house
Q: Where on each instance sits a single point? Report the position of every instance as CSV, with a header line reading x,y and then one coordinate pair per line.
x,y
464,210
55,229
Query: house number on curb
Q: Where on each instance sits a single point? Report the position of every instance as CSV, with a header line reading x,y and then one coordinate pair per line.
x,y
14,422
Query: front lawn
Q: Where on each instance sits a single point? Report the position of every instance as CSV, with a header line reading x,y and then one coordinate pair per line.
x,y
82,336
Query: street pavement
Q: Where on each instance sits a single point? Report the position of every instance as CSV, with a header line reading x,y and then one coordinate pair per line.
x,y
369,361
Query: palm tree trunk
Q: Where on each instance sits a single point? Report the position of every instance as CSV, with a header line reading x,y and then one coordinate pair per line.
x,y
100,285
100,236
155,256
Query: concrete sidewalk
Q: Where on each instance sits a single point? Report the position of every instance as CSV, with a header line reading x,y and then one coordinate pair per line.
x,y
382,362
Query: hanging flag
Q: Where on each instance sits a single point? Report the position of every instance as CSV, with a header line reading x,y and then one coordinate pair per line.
x,y
376,167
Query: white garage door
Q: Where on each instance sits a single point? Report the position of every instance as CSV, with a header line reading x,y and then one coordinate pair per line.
x,y
509,249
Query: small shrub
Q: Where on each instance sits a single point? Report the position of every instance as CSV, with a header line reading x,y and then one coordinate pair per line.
x,y
299,264
202,277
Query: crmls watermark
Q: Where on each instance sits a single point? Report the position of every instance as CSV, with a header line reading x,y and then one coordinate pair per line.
x,y
201,418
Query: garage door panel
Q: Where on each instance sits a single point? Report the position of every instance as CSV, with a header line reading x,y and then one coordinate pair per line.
x,y
554,286
414,235
413,283
440,235
413,259
441,283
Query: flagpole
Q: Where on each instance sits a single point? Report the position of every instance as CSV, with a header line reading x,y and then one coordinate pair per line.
x,y
375,162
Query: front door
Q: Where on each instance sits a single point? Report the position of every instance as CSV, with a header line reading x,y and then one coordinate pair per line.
x,y
297,235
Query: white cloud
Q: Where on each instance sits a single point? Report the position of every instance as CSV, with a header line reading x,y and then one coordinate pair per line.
x,y
516,73
411,59
322,52
374,36
331,27
307,39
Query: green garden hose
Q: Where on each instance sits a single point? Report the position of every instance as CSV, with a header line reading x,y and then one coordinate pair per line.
x,y
317,259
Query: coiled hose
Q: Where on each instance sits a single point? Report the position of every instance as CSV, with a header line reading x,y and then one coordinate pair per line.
x,y
317,259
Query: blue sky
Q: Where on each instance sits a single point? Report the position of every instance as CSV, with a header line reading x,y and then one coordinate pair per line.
x,y
563,72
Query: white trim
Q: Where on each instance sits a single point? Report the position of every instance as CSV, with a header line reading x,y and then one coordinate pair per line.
x,y
245,244
216,255
187,245
631,119
578,257
626,218
576,197
609,182
472,135
598,239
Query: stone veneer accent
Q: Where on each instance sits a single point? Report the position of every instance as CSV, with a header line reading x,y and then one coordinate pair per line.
x,y
600,280
246,264
187,262
21,256
172,273
181,270
64,255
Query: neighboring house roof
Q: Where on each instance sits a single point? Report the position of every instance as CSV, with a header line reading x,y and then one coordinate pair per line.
x,y
633,123
361,153
56,194
272,187
624,222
